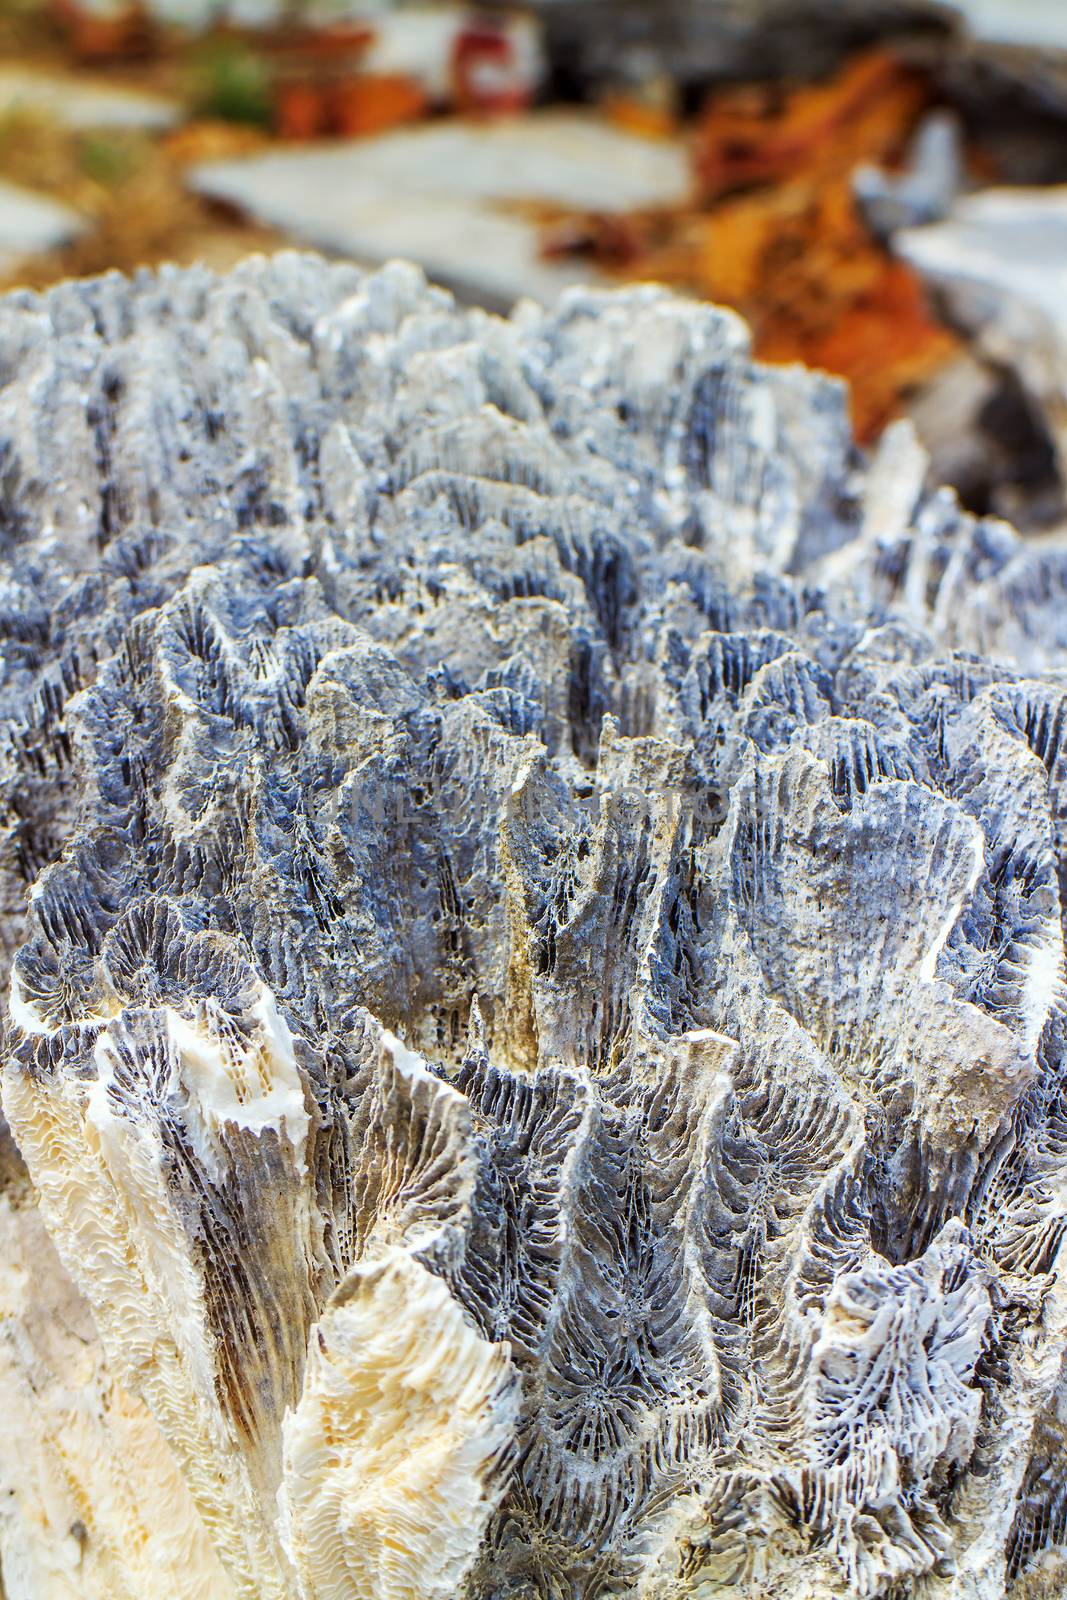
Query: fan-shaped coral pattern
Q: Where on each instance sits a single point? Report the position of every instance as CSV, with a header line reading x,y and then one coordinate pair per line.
x,y
538,1023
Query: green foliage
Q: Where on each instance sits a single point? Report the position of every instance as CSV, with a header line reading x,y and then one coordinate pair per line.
x,y
106,159
230,81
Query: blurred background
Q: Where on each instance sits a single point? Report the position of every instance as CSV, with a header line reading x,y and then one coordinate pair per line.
x,y
878,186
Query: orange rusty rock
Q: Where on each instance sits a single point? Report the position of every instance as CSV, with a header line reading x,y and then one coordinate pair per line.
x,y
764,134
815,287
774,232
884,343
370,103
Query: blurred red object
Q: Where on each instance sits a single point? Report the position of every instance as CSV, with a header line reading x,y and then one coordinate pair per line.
x,y
299,110
486,73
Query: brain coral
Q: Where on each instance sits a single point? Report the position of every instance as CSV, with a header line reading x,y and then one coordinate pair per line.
x,y
532,876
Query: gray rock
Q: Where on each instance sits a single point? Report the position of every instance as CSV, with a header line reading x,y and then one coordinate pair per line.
x,y
998,266
538,1025
986,438
925,191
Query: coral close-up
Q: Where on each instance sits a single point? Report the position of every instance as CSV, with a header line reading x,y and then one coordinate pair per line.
x,y
532,885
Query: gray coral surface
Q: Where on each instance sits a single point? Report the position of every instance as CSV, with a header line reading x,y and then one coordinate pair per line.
x,y
533,882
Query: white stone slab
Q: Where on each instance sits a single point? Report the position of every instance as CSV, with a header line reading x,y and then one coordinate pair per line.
x,y
32,222
1000,245
83,103
449,195
1028,24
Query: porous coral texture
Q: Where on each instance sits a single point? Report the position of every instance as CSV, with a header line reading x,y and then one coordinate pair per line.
x,y
532,877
